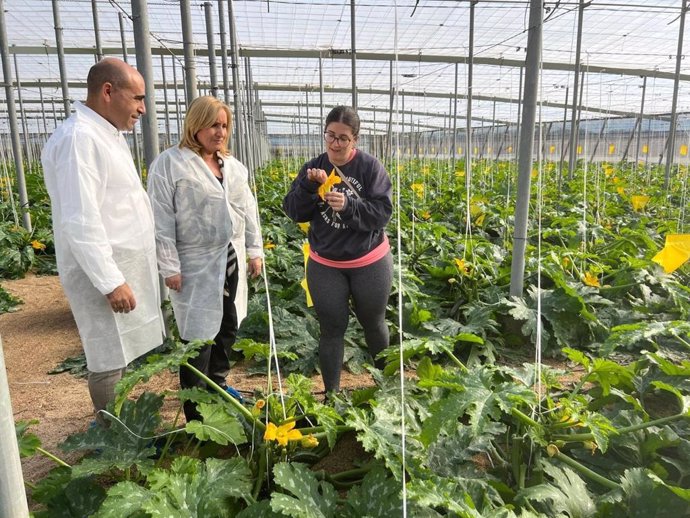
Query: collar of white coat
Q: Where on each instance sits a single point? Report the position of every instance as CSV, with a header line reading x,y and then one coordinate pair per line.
x,y
95,118
188,154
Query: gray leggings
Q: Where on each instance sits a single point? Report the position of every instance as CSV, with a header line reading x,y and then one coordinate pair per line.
x,y
330,289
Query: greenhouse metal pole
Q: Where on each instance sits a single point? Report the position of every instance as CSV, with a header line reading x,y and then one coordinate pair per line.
x,y
576,79
353,40
96,30
208,14
142,43
519,115
306,98
178,111
249,141
224,51
389,135
43,109
61,58
565,121
12,495
526,144
455,120
468,136
165,103
321,119
22,113
12,116
638,120
596,144
234,64
639,133
191,91
135,137
674,104
52,104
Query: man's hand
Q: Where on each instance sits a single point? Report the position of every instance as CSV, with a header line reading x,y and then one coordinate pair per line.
x,y
122,299
254,267
174,282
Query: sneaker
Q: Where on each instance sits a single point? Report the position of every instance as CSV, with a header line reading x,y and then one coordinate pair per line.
x,y
234,393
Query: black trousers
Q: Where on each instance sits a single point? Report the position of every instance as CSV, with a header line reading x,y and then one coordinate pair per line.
x,y
214,359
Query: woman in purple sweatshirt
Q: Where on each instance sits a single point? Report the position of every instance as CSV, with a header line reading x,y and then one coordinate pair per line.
x,y
346,196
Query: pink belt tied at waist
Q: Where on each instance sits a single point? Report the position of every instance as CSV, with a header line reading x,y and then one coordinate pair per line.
x,y
370,258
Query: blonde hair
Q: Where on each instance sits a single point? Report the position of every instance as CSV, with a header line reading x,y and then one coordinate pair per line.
x,y
202,113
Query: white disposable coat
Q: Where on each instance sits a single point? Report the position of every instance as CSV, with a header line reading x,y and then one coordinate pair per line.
x,y
196,217
104,237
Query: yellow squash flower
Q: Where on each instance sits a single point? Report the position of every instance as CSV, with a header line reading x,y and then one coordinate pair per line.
x,y
268,245
309,441
37,245
304,227
418,189
325,187
591,280
282,434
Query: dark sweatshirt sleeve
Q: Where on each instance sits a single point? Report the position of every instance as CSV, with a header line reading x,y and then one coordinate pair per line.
x,y
300,201
372,211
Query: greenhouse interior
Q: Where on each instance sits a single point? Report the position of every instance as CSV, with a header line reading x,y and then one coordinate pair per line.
x,y
538,319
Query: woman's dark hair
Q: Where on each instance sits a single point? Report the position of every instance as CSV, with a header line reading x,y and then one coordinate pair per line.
x,y
345,115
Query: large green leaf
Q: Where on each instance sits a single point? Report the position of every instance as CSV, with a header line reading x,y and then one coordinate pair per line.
x,y
646,495
218,425
124,500
378,496
567,493
306,496
79,497
28,442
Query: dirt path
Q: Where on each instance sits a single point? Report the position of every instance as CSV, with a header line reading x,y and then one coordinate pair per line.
x,y
42,333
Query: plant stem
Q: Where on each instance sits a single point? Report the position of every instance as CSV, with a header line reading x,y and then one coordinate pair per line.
x,y
525,419
321,430
587,472
53,457
455,360
576,437
238,406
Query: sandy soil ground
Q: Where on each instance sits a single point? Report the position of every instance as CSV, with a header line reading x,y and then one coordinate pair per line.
x,y
42,333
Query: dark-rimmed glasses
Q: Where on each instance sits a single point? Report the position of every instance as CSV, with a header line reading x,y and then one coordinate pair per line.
x,y
343,140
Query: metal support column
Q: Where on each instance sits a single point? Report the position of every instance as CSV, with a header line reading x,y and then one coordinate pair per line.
x,y
22,113
534,36
674,104
572,157
61,58
191,92
639,133
353,44
249,141
306,103
468,126
565,121
12,116
208,14
149,122
224,51
519,115
234,64
166,109
321,120
455,120
135,137
96,30
43,108
178,110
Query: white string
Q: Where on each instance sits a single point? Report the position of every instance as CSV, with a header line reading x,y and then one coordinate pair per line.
x,y
396,163
538,344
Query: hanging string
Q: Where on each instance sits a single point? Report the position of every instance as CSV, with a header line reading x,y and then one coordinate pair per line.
x,y
398,209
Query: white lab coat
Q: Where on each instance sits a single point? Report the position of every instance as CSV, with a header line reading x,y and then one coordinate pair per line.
x,y
196,217
104,237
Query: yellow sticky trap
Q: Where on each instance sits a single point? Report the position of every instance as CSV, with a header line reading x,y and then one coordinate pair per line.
x,y
639,202
332,180
305,286
645,149
675,253
684,150
552,148
579,150
612,149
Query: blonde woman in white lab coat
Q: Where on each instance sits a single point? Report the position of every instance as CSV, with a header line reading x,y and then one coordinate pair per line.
x,y
207,226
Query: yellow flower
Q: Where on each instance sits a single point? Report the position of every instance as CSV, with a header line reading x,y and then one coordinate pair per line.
x,y
304,227
463,267
268,245
418,189
309,441
37,245
256,410
282,434
426,214
620,191
480,220
591,280
326,186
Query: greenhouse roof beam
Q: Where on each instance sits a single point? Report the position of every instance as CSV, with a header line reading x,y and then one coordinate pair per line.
x,y
363,56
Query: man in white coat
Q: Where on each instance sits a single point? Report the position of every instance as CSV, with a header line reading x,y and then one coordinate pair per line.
x,y
103,227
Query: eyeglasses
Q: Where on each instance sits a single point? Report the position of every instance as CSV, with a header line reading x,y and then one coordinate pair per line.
x,y
343,140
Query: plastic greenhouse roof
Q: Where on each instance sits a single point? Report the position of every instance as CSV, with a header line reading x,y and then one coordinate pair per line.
x,y
283,39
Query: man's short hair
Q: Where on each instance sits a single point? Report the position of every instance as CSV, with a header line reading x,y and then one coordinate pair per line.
x,y
108,70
